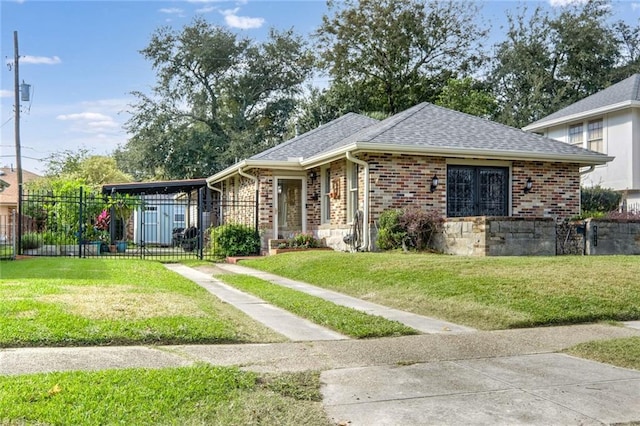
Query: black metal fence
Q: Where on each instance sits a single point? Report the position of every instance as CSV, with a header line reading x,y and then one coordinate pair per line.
x,y
147,226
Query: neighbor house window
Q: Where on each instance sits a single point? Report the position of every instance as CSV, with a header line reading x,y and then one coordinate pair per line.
x,y
477,191
325,189
352,190
575,135
594,136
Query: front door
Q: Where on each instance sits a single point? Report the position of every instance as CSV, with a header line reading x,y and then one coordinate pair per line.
x,y
289,207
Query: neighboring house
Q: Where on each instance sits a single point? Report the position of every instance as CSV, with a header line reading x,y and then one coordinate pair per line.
x,y
426,157
607,122
9,199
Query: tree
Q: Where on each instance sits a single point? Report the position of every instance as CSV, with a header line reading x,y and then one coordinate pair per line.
x,y
469,96
548,62
92,171
218,98
395,51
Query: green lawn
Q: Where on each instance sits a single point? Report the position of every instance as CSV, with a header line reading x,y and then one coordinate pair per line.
x,y
344,320
485,293
70,302
182,396
620,352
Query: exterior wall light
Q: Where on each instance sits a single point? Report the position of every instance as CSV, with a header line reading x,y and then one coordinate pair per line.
x,y
528,185
434,183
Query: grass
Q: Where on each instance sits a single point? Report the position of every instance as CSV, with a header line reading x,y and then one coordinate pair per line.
x,y
344,320
200,394
623,352
74,302
485,293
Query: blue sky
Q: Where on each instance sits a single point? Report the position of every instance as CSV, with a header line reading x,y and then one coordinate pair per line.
x,y
82,60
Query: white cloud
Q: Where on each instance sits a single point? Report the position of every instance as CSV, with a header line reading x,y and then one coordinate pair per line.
x,y
83,116
635,6
171,11
562,3
207,9
242,22
91,122
6,93
53,60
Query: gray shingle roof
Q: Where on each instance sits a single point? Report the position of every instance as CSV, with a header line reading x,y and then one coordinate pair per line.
x,y
626,90
317,140
432,127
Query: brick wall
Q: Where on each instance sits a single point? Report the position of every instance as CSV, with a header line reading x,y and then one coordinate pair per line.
x,y
555,192
402,181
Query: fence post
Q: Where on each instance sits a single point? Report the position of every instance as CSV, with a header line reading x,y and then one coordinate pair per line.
x,y
14,234
200,223
80,230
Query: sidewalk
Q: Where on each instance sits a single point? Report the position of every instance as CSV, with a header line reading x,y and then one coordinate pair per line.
x,y
450,376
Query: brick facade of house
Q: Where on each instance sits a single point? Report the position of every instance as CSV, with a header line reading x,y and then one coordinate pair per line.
x,y
401,181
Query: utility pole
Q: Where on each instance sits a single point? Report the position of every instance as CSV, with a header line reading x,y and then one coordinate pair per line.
x,y
17,135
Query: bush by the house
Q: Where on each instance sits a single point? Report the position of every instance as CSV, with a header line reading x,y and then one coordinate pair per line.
x,y
306,240
31,241
235,240
390,233
597,201
407,229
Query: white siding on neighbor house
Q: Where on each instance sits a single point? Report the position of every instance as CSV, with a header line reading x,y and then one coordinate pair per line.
x,y
621,133
635,166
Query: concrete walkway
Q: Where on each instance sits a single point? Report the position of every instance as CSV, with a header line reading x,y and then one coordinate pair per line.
x,y
279,320
417,322
508,377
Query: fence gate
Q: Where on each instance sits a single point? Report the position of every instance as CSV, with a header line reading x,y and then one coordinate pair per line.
x,y
165,227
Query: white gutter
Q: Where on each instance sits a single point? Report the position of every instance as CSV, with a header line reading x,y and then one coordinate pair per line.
x,y
365,208
585,160
589,170
248,176
582,115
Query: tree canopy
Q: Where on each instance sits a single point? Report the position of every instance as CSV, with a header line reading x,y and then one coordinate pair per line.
x,y
218,98
396,51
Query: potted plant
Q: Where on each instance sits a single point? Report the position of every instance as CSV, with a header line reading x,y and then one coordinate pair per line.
x,y
123,206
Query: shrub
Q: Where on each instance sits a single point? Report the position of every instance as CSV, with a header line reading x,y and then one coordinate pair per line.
x,y
390,233
30,241
408,229
599,200
303,241
420,227
235,240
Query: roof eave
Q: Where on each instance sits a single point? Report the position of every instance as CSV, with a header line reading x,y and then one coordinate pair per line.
x,y
586,160
254,164
582,115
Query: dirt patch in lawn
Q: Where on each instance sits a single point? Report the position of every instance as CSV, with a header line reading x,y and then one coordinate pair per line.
x,y
121,303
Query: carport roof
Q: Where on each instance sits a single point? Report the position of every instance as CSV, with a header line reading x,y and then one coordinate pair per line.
x,y
158,187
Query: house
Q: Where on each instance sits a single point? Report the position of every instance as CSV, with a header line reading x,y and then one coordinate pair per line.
x,y
347,172
9,200
607,122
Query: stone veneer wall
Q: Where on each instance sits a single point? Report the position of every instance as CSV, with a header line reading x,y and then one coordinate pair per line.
x,y
612,236
498,236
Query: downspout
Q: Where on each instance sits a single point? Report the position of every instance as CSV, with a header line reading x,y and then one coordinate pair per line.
x,y
219,191
365,208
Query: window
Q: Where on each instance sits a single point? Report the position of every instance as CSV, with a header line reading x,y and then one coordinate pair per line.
x,y
477,191
575,135
352,189
325,189
594,136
